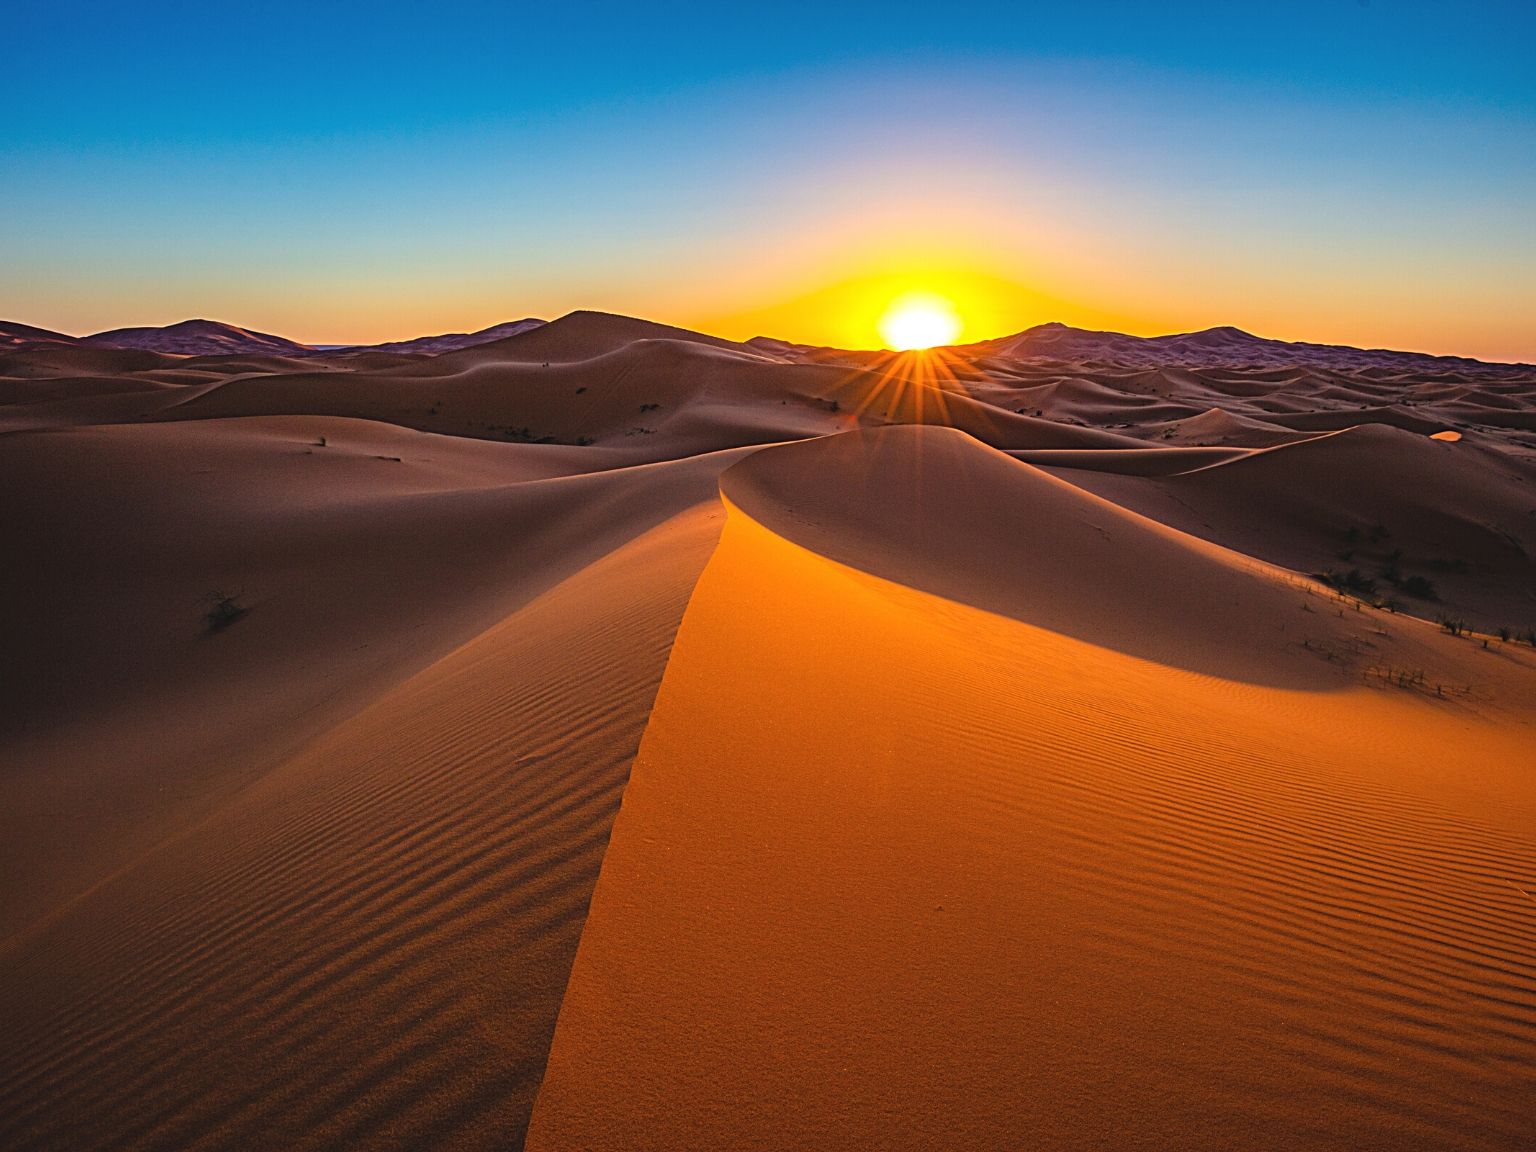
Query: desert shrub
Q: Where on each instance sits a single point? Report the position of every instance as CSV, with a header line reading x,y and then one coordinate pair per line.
x,y
1391,568
1354,582
1357,581
1452,624
1419,587
223,610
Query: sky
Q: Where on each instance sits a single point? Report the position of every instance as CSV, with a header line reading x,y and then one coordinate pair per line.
x,y
1335,170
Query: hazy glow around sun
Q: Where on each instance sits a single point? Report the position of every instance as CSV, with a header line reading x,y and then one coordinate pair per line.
x,y
919,320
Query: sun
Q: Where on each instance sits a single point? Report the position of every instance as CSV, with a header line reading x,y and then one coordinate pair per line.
x,y
919,320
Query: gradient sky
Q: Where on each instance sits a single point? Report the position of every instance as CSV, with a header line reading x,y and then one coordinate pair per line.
x,y
1343,171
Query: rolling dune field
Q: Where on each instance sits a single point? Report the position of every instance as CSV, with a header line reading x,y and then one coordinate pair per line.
x,y
608,736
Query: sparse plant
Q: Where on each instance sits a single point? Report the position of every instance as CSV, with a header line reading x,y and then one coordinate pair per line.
x,y
1391,567
1454,625
1420,588
223,610
1354,582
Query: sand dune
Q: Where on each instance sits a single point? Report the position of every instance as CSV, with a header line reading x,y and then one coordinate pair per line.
x,y
581,336
996,886
1364,499
1014,779
1227,346
197,338
13,333
450,341
358,561
368,946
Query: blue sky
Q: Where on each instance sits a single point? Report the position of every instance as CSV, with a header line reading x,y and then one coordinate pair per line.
x,y
1350,171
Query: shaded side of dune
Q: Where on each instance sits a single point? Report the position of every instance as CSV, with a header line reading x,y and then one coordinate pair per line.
x,y
368,948
1441,528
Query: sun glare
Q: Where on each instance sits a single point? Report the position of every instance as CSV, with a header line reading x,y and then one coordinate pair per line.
x,y
919,320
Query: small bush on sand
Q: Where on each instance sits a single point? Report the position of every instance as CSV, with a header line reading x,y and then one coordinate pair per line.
x,y
1354,581
223,611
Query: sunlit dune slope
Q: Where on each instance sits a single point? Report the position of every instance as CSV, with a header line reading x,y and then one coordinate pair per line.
x,y
934,857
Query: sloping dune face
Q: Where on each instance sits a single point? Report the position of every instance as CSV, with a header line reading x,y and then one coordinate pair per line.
x,y
1383,501
1058,748
368,947
894,871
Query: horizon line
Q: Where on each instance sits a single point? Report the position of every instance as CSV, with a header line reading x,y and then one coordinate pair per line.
x,y
320,346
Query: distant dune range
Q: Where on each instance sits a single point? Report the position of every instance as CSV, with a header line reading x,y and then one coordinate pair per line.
x,y
1072,740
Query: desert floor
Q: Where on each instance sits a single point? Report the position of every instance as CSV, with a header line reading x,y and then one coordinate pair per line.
x,y
613,737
